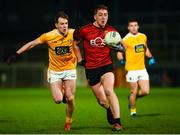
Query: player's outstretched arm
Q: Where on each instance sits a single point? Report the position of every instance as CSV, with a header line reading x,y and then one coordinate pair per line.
x,y
28,46
11,58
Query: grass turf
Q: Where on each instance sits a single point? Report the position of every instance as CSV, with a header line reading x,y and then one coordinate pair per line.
x,y
32,110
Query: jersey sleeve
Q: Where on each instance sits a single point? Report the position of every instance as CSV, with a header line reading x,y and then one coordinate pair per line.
x,y
42,38
145,39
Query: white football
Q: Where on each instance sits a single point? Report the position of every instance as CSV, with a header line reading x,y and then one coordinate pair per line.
x,y
112,38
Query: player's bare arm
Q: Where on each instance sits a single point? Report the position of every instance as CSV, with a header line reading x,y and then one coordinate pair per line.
x,y
24,48
148,52
28,46
77,51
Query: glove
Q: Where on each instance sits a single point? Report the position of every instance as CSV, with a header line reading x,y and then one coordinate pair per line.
x,y
81,63
151,61
118,48
122,62
12,58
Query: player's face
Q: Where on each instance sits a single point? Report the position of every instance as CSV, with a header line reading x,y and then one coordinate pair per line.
x,y
62,26
133,27
101,17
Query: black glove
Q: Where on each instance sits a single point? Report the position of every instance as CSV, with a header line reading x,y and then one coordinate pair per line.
x,y
118,48
82,63
12,58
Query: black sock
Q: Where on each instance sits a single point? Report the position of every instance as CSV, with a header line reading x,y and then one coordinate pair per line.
x,y
117,120
109,109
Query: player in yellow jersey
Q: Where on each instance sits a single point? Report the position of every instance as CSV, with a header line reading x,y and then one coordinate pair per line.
x,y
137,76
62,63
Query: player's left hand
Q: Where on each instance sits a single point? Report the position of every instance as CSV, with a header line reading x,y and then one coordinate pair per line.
x,y
151,61
118,48
82,63
12,58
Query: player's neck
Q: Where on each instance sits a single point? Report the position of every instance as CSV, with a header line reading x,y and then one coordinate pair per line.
x,y
134,34
63,34
97,25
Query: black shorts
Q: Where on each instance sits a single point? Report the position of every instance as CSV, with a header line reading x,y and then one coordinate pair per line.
x,y
94,75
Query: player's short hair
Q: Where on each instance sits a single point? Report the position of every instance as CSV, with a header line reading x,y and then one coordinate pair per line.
x,y
99,7
132,20
62,15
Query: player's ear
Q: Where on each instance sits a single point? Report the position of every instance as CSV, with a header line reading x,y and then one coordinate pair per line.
x,y
95,18
55,25
128,27
138,26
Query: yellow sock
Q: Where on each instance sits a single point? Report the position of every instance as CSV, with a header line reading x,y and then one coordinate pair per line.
x,y
133,110
68,120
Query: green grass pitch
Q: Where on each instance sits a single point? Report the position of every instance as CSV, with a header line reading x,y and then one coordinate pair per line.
x,y
32,110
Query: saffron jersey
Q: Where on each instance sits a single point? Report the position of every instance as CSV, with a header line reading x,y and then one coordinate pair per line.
x,y
61,54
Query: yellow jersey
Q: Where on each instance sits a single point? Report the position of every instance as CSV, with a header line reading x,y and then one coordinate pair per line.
x,y
135,51
61,54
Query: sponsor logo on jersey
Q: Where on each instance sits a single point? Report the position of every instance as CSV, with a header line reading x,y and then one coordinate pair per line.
x,y
139,48
61,50
97,42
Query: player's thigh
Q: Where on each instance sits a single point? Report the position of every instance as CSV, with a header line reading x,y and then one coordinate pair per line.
x,y
144,86
99,92
107,81
70,88
56,88
144,81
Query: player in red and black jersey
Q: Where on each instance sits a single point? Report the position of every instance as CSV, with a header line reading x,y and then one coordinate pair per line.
x,y
98,63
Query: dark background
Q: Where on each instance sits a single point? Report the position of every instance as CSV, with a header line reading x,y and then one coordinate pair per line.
x,y
22,21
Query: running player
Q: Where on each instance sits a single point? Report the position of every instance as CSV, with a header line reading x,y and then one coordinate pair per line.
x,y
98,63
62,63
137,76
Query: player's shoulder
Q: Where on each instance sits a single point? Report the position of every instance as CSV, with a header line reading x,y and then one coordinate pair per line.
x,y
142,34
87,26
51,33
109,27
127,36
71,30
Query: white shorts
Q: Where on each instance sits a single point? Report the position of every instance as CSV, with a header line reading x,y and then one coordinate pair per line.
x,y
135,75
53,76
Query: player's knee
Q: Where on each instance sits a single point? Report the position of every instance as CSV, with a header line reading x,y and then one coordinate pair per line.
x,y
134,92
109,92
70,98
57,100
145,92
102,102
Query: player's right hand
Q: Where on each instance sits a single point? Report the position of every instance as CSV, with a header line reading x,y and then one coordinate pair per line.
x,y
122,62
82,63
118,48
12,58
